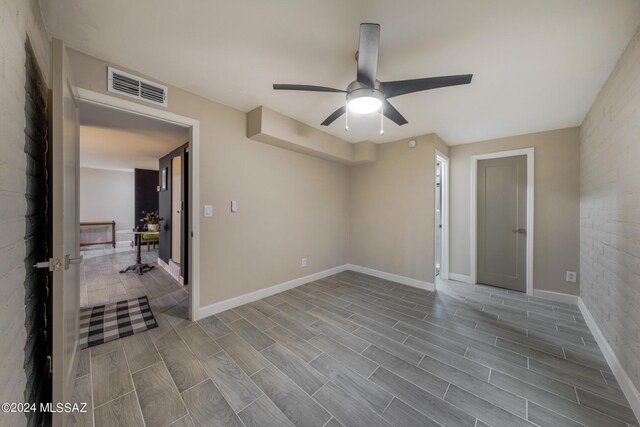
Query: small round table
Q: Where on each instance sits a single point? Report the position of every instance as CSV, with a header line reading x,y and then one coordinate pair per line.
x,y
139,266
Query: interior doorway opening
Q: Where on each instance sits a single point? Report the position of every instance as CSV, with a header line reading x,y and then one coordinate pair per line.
x,y
122,183
441,234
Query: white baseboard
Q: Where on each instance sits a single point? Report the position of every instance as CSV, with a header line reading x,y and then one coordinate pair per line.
x,y
556,296
460,277
628,388
393,277
173,269
263,293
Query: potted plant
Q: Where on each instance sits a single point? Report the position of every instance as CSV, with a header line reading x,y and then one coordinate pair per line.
x,y
152,220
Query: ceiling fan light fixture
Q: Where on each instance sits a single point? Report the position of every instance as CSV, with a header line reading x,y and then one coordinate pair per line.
x,y
364,101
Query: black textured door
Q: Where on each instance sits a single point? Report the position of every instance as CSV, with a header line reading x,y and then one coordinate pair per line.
x,y
166,211
37,238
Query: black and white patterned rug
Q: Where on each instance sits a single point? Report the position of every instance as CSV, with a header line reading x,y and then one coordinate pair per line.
x,y
108,322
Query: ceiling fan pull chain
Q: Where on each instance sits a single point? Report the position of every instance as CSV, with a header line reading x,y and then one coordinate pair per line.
x,y
346,119
382,121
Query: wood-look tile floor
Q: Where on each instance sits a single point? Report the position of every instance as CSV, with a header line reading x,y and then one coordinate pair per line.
x,y
354,350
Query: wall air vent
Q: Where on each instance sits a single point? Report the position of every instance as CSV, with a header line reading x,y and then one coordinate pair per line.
x,y
136,87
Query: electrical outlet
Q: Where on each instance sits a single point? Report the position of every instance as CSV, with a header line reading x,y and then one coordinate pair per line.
x,y
303,262
571,276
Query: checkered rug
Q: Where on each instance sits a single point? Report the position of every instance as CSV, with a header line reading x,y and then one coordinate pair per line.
x,y
108,322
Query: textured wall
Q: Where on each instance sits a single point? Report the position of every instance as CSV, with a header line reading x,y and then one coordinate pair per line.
x,y
19,20
610,210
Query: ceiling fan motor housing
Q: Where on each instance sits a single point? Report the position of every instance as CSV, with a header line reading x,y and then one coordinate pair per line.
x,y
365,92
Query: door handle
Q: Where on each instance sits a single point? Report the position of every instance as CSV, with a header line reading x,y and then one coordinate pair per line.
x,y
520,231
75,260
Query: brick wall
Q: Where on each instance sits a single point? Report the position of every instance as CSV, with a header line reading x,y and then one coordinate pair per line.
x,y
610,210
19,20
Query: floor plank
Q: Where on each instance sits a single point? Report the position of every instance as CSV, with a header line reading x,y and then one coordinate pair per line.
x,y
346,408
250,334
158,397
208,407
295,368
434,407
123,411
293,343
347,357
359,388
232,381
201,344
110,377
292,401
408,371
264,413
247,357
402,415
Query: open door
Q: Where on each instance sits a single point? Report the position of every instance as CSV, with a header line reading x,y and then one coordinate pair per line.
x,y
173,208
64,180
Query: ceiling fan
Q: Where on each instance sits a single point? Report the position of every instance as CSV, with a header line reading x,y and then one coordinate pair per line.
x,y
366,94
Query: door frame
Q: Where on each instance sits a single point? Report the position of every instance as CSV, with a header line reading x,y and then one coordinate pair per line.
x,y
194,180
473,260
444,186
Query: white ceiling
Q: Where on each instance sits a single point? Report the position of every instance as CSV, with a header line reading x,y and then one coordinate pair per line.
x,y
537,65
113,139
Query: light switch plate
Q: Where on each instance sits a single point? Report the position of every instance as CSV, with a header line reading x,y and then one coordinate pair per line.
x,y
234,206
208,210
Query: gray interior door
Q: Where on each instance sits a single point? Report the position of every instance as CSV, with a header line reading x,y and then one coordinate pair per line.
x,y
502,218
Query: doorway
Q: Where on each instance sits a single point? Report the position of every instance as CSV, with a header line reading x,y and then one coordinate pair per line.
x,y
502,220
190,238
441,258
174,213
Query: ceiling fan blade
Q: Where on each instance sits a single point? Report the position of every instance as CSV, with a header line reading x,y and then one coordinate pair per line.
x,y
392,114
308,88
340,111
402,87
368,53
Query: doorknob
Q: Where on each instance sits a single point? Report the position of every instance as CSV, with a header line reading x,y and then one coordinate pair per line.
x,y
520,231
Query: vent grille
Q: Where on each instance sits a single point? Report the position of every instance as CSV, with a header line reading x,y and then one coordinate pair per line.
x,y
136,87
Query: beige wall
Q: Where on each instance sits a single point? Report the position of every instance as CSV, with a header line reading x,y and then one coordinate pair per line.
x,y
106,195
392,209
290,205
610,210
556,230
20,20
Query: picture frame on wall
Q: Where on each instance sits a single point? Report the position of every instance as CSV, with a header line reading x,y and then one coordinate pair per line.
x,y
163,179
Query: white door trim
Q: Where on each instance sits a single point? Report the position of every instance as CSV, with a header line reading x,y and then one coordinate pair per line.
x,y
132,107
529,152
444,184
